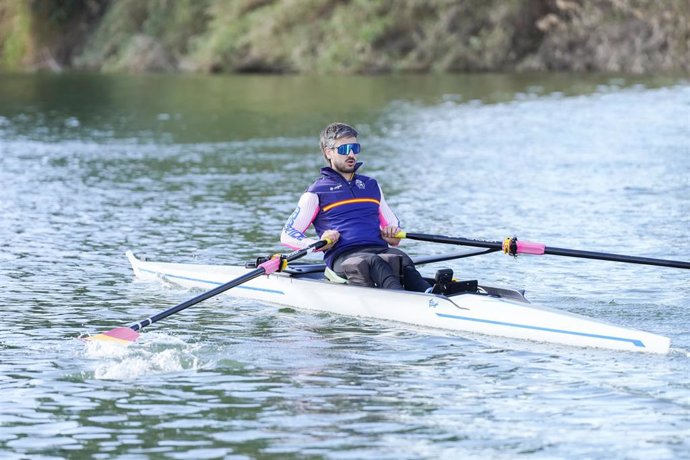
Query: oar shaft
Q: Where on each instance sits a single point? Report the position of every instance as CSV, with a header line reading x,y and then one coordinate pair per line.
x,y
522,247
267,267
453,240
616,257
200,298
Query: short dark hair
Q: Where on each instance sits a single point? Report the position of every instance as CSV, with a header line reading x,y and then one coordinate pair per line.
x,y
335,131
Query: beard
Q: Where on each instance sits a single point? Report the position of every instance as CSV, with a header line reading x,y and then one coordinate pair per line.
x,y
344,166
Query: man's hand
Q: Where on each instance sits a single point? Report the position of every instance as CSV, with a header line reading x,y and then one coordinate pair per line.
x,y
388,234
333,236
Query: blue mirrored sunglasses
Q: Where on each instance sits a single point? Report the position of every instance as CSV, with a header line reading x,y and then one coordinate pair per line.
x,y
345,149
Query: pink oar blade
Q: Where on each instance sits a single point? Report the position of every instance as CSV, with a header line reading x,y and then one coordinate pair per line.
x,y
122,335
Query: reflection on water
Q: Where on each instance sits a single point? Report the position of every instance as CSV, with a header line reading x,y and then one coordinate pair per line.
x,y
207,169
206,109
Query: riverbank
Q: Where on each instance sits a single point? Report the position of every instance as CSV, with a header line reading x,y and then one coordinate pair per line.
x,y
334,37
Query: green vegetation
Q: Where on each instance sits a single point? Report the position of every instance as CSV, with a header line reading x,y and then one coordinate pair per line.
x,y
338,36
15,34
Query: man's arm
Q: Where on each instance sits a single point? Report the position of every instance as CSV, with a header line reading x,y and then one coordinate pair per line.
x,y
301,218
390,225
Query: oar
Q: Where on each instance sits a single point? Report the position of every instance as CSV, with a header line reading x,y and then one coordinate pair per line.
x,y
514,247
277,263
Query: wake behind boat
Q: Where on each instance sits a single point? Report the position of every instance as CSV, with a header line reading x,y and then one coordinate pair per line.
x,y
469,308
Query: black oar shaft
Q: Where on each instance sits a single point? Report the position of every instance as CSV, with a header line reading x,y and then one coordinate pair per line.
x,y
616,257
200,298
453,240
224,287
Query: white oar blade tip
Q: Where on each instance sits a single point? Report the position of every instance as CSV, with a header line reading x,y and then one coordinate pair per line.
x,y
122,335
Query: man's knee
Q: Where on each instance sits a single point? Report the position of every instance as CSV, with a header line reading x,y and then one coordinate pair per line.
x,y
356,270
373,270
409,276
395,261
406,260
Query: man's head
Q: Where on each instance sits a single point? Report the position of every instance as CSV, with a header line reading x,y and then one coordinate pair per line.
x,y
333,136
333,133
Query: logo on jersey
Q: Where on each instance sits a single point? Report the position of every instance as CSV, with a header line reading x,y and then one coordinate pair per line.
x,y
336,187
360,184
290,230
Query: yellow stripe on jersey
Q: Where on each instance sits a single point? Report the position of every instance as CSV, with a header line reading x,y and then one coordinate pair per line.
x,y
351,201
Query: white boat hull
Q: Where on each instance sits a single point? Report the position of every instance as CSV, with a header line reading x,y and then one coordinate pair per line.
x,y
476,313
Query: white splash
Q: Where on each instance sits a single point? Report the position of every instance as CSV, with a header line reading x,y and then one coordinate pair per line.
x,y
153,353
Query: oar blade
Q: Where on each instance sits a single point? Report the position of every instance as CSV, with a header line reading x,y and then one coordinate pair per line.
x,y
120,335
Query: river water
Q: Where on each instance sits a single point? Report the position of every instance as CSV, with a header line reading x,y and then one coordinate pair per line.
x,y
207,169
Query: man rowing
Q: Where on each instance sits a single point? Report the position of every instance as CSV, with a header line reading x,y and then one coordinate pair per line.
x,y
350,210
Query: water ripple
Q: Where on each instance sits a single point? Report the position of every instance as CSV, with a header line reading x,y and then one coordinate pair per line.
x,y
603,171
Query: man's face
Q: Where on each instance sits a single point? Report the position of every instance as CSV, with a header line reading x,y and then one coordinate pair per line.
x,y
344,164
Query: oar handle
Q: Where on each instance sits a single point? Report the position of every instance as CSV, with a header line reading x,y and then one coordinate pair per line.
x,y
272,265
279,262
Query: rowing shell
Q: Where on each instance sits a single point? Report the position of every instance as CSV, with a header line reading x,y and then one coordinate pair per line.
x,y
491,311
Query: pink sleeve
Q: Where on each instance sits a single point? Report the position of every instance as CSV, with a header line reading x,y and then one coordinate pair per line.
x,y
301,218
386,215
